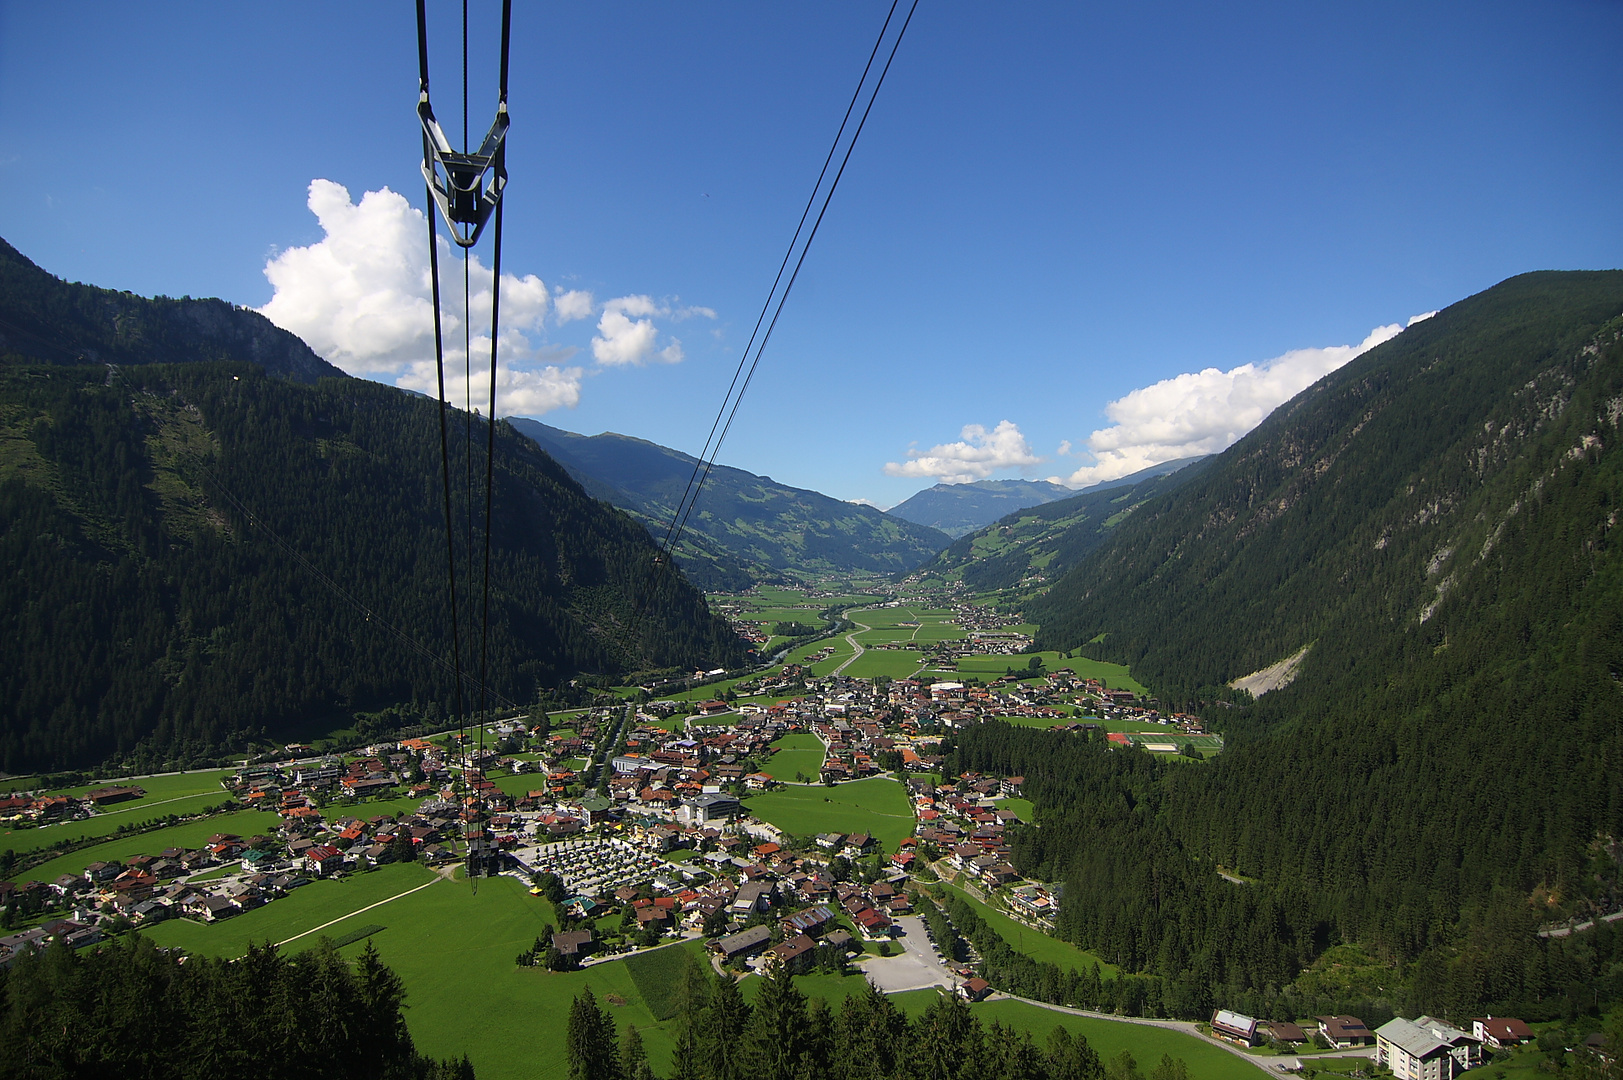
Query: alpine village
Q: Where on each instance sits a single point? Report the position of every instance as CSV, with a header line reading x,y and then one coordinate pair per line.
x,y
1303,757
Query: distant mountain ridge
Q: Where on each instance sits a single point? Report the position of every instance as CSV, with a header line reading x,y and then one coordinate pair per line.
x,y
1033,547
960,509
746,528
957,509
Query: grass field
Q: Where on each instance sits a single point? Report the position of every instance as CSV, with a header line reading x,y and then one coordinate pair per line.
x,y
800,753
455,950
1037,945
314,904
658,976
191,834
878,806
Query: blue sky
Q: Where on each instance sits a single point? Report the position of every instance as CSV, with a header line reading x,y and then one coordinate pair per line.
x,y
1068,228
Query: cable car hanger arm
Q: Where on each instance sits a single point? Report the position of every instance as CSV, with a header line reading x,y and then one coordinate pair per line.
x,y
465,186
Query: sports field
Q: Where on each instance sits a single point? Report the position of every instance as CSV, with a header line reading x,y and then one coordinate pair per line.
x,y
191,834
878,806
800,753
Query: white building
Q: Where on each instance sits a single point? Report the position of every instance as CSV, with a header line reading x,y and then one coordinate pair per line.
x,y
1425,1049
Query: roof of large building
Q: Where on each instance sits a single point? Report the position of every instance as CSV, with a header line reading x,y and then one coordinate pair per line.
x,y
1420,1038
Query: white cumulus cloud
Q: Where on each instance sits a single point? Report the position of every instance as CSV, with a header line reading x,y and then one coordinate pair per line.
x,y
361,297
1207,411
626,333
977,455
572,305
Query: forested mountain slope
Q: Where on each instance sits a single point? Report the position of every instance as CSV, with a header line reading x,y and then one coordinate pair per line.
x,y
746,528
1438,520
1037,545
152,522
46,319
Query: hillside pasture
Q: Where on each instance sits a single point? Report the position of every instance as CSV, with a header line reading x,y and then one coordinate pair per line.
x,y
1035,943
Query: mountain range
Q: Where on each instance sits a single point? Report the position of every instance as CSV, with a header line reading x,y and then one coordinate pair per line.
x,y
744,528
208,536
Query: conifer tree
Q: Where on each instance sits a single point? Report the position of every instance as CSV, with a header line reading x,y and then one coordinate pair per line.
x,y
589,1041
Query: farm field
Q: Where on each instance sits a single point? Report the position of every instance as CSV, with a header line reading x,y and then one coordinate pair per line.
x,y
1034,943
800,753
878,806
157,788
189,834
842,653
895,663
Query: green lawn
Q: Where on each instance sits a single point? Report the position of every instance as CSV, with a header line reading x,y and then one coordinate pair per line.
x,y
1033,943
191,834
1021,807
801,752
878,806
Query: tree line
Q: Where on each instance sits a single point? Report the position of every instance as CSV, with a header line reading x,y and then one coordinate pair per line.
x,y
126,1008
785,1035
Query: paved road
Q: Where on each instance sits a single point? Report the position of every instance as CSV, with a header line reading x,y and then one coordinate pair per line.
x,y
855,644
1564,931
